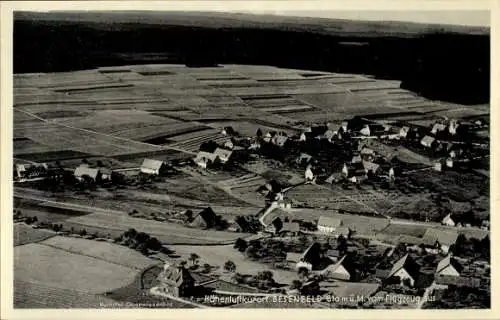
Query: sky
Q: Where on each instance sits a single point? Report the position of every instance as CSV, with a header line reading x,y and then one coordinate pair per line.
x,y
470,18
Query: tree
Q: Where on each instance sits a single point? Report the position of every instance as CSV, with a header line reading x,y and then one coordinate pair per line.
x,y
85,161
296,285
193,257
142,248
341,243
99,163
251,252
229,266
206,268
153,244
240,244
182,264
259,133
83,232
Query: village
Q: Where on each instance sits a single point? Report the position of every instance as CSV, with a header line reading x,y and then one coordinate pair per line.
x,y
324,254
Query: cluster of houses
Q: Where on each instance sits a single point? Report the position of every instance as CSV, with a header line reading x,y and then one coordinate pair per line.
x,y
24,171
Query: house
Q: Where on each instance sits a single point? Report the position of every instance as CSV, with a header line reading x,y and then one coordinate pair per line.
x,y
439,240
29,171
223,154
334,177
428,141
227,131
205,159
176,281
406,269
355,172
309,175
296,259
356,159
438,166
328,224
367,152
205,219
365,131
84,171
279,140
275,226
344,127
403,132
284,203
438,127
267,137
154,167
105,173
303,159
340,231
370,167
449,267
270,213
229,145
255,145
341,270
449,162
453,126
448,220
329,135
379,148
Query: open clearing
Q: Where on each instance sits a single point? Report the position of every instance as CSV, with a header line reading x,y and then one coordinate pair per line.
x,y
102,250
61,269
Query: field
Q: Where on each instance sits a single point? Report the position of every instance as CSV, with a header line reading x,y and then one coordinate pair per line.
x,y
38,295
24,234
61,269
165,232
402,229
104,251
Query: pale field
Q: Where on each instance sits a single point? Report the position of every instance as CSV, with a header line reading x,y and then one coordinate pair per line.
x,y
58,268
39,295
101,250
218,255
161,230
24,234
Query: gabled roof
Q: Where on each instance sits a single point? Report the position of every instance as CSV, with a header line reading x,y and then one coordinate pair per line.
x,y
279,139
438,127
152,164
431,236
175,276
86,171
427,140
344,261
207,215
223,153
290,227
205,156
329,222
370,166
448,261
304,156
356,159
407,263
270,213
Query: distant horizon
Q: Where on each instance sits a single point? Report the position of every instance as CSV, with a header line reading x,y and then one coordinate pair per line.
x,y
468,18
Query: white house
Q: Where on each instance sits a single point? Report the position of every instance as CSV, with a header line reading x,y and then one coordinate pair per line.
x,y
427,141
448,221
448,267
438,166
84,171
403,132
391,174
438,127
229,144
452,129
203,159
365,131
223,154
449,162
151,166
339,270
328,224
406,269
309,175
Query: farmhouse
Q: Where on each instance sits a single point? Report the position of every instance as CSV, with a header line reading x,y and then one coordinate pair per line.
x,y
428,141
279,140
340,231
448,267
356,159
308,259
448,220
83,171
275,226
379,148
205,219
223,154
403,132
205,159
29,171
438,127
341,270
365,131
154,167
439,240
329,135
176,281
303,159
309,175
229,145
370,167
270,213
406,269
328,224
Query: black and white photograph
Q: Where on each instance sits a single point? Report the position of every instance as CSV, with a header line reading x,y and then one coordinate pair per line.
x,y
239,159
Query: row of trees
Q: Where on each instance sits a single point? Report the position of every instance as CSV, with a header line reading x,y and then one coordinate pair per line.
x,y
140,241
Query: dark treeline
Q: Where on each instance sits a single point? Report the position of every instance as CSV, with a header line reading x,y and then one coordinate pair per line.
x,y
444,66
